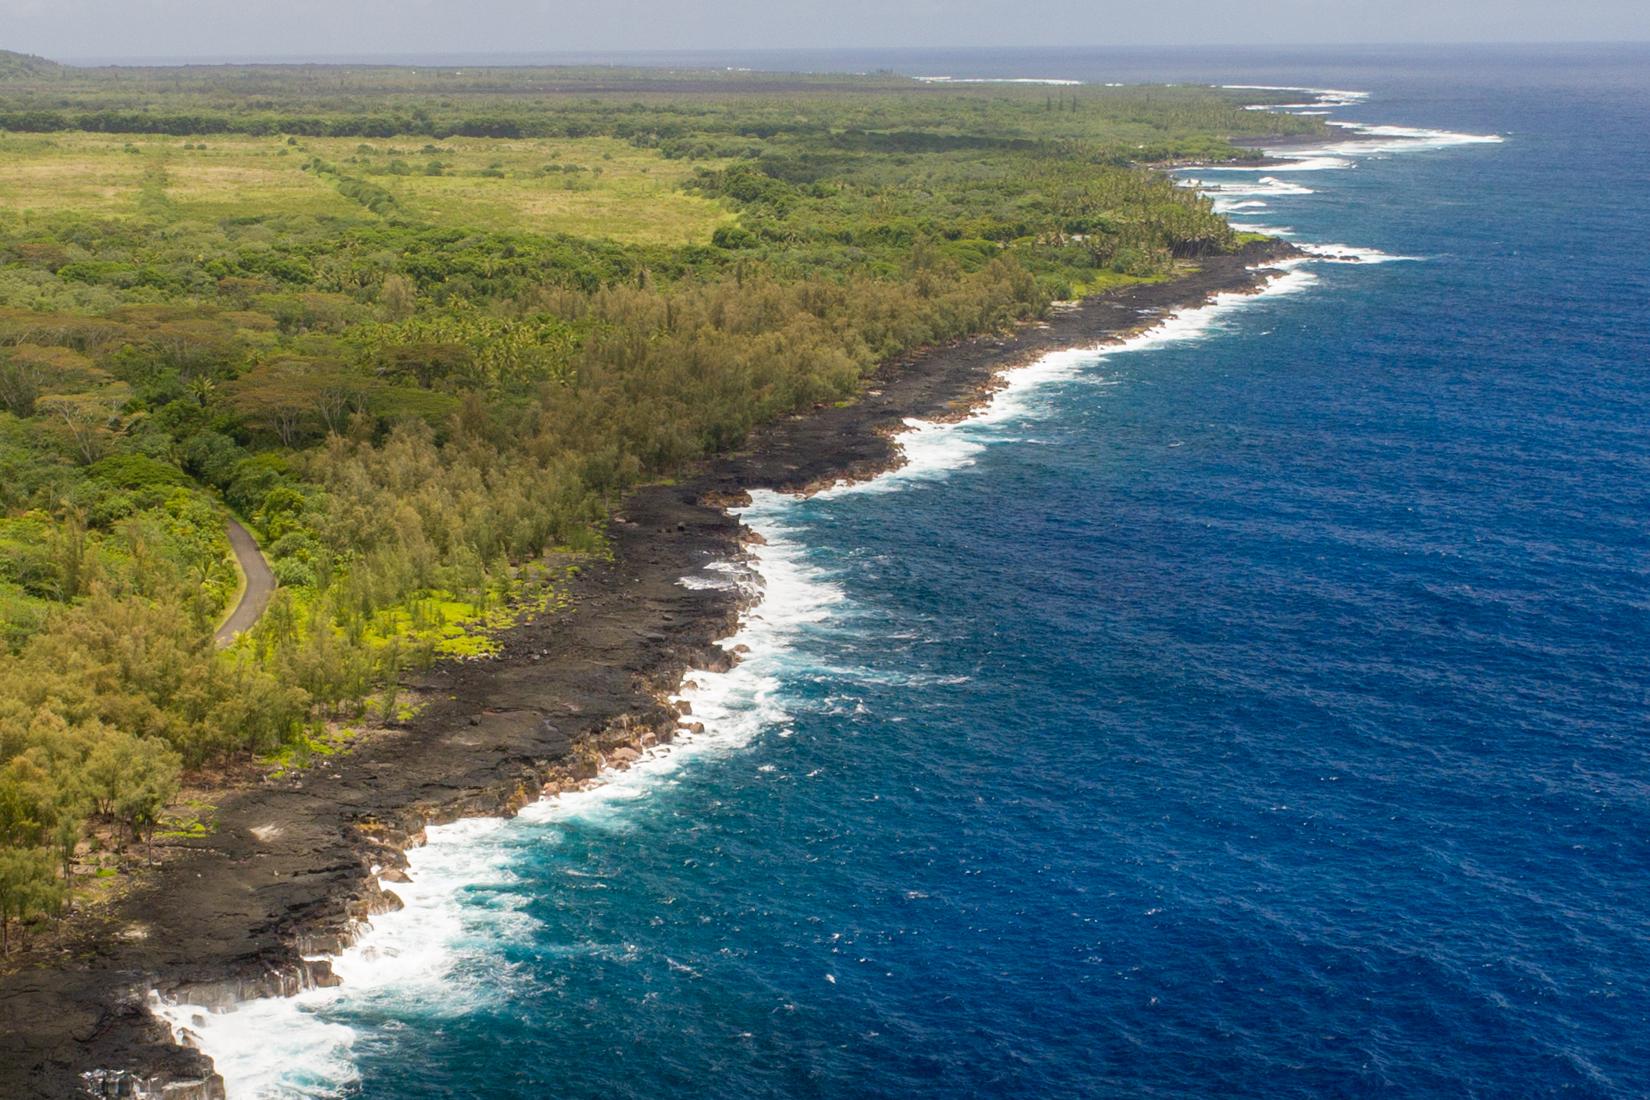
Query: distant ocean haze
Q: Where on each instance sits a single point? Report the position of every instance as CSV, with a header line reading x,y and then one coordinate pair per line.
x,y
1257,709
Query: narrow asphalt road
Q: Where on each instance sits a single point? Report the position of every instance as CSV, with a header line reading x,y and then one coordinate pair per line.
x,y
260,583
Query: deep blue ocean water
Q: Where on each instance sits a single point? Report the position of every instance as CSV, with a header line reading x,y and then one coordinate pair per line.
x,y
1262,713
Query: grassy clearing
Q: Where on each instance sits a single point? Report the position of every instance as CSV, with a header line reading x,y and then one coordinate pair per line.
x,y
82,173
586,187
451,625
308,748
190,819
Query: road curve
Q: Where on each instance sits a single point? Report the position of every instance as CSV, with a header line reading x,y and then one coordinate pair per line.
x,y
260,583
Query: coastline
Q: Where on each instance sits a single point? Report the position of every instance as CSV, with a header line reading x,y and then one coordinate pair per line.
x,y
289,875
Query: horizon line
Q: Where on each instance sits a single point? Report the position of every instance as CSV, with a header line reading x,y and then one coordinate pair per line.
x,y
521,59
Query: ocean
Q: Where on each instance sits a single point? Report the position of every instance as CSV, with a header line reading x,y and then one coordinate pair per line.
x,y
1258,708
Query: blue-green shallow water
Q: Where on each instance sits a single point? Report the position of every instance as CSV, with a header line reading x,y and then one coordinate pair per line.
x,y
1262,714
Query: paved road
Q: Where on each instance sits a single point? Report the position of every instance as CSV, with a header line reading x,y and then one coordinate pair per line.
x,y
260,583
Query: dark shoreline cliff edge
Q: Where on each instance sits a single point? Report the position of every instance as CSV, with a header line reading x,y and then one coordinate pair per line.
x,y
289,870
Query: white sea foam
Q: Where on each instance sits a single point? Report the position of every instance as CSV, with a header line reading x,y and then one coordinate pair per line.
x,y
439,956
1373,141
1267,185
1350,254
718,574
1288,163
442,954
933,449
1321,97
1409,136
1003,80
268,1048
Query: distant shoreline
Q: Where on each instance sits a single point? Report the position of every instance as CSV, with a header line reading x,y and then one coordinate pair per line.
x,y
288,876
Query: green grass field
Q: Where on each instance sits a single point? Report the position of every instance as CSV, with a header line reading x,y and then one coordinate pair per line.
x,y
584,187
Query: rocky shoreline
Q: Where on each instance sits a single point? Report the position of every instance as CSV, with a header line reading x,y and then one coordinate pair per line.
x,y
291,871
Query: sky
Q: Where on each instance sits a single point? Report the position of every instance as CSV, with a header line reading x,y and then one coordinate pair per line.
x,y
225,29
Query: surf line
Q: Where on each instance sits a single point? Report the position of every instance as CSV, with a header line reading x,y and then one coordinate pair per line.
x,y
1232,196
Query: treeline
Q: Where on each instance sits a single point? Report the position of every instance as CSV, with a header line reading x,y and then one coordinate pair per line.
x,y
198,123
27,67
649,107
643,129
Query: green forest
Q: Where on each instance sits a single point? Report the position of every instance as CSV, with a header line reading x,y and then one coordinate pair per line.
x,y
419,328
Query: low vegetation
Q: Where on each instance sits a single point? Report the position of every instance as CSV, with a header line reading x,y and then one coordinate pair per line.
x,y
417,329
